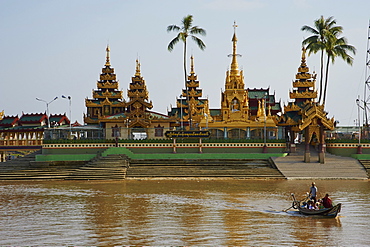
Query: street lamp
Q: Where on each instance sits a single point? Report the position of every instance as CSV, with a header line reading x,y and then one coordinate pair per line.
x,y
47,107
359,149
182,122
70,111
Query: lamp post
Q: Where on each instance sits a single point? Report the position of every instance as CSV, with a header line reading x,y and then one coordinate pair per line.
x,y
182,122
264,124
47,107
70,111
359,148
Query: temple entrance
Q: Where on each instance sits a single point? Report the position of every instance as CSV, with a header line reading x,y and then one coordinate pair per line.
x,y
314,142
139,133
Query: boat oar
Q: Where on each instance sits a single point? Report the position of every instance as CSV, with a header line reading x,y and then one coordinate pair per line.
x,y
292,203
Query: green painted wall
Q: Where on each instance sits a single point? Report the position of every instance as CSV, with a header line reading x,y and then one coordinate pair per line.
x,y
46,151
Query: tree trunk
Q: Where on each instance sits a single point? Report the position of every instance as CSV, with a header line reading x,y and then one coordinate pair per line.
x,y
326,79
321,74
186,87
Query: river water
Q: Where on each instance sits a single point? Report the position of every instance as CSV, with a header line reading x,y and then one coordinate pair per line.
x,y
179,212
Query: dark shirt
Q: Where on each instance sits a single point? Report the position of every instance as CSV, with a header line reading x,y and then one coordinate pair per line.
x,y
326,202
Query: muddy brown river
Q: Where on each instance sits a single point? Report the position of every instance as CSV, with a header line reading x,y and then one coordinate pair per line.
x,y
179,212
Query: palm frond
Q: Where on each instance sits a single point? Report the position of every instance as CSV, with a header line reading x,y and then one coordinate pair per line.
x,y
309,29
173,28
198,30
187,22
199,42
173,42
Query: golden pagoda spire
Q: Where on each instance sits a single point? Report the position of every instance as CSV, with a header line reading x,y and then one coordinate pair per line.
x,y
192,65
234,62
137,68
303,61
107,63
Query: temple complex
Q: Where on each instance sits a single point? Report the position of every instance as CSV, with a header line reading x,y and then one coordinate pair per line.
x,y
244,113
120,118
304,114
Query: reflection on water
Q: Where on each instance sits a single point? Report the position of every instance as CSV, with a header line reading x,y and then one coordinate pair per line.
x,y
179,212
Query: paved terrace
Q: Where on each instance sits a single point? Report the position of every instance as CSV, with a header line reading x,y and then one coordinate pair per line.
x,y
335,167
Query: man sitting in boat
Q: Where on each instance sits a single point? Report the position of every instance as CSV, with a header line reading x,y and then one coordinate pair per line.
x,y
326,201
311,205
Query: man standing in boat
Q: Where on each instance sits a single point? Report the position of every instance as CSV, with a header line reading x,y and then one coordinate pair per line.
x,y
313,192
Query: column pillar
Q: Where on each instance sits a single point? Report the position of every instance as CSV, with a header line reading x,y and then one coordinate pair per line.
x,y
174,145
292,144
322,146
307,156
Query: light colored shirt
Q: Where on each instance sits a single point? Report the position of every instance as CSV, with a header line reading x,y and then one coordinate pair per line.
x,y
313,191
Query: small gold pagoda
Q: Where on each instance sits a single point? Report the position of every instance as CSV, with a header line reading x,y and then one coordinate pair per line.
x,y
304,114
234,100
193,112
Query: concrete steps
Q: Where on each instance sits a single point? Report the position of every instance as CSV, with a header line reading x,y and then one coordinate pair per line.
x,y
335,167
111,167
35,174
20,163
207,168
366,165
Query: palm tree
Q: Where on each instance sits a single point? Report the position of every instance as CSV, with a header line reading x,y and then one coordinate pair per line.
x,y
186,30
316,42
336,47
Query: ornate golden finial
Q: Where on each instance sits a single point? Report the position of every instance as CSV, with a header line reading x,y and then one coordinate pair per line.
x,y
107,63
137,68
303,60
234,62
192,65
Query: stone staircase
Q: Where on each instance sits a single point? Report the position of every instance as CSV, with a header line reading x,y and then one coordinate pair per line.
x,y
19,163
335,167
111,167
202,168
25,168
366,165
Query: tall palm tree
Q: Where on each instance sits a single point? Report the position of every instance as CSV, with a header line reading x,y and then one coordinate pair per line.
x,y
186,30
336,47
316,42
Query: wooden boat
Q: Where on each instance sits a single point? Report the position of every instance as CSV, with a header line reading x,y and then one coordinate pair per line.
x,y
327,212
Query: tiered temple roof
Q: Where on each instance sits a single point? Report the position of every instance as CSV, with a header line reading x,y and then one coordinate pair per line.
x,y
198,107
300,113
107,99
138,102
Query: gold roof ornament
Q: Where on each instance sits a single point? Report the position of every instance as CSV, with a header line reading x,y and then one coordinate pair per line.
x,y
234,62
138,73
107,63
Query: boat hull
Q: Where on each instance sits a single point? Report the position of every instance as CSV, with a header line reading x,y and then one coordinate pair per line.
x,y
327,212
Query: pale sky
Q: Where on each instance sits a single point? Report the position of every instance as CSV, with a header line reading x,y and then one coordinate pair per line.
x,y
52,48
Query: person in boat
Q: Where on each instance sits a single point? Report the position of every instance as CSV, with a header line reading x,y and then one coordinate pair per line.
x,y
313,192
311,205
326,201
